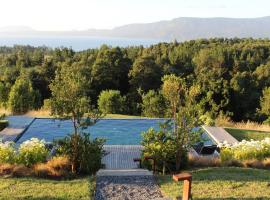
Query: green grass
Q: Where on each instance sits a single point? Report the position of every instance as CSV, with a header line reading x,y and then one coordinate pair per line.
x,y
34,189
241,134
222,183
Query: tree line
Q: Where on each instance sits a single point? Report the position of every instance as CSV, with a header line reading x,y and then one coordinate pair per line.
x,y
233,76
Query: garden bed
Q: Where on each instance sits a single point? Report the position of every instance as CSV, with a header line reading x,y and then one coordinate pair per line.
x,y
222,183
241,134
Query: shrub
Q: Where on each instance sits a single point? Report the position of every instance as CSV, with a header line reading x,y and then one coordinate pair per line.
x,y
3,124
111,102
203,161
7,152
153,104
32,151
246,150
46,104
84,154
22,97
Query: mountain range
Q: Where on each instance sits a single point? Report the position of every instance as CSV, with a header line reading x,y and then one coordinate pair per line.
x,y
183,28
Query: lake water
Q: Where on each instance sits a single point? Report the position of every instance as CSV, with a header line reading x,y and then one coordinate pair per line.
x,y
76,43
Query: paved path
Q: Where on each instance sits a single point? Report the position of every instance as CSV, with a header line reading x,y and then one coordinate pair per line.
x,y
219,135
121,156
17,126
126,185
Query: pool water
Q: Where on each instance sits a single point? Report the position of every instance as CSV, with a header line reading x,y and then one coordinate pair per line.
x,y
115,131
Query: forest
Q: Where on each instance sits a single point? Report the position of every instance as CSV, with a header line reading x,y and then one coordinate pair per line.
x,y
233,76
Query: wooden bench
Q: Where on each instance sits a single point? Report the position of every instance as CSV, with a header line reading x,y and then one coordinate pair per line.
x,y
187,178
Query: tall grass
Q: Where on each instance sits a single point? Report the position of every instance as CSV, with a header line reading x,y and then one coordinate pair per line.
x,y
249,125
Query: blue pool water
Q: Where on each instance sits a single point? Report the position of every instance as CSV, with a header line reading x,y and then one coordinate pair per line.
x,y
116,131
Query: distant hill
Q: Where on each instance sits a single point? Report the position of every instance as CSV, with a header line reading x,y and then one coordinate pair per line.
x,y
182,29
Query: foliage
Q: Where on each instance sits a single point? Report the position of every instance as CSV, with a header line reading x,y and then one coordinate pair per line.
x,y
245,150
7,153
161,146
32,151
111,102
84,152
22,97
265,103
153,104
231,73
185,113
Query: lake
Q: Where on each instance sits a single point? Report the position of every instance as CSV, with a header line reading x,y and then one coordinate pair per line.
x,y
76,43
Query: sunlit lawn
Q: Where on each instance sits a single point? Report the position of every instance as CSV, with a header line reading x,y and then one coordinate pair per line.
x,y
222,183
241,134
34,189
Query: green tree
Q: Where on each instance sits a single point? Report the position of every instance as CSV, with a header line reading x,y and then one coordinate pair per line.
x,y
153,104
145,74
265,103
4,92
111,102
185,114
22,97
69,101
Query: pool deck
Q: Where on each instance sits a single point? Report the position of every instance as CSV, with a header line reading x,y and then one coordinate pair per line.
x,y
14,131
219,135
121,156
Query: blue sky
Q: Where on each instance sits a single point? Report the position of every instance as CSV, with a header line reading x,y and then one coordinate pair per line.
x,y
84,14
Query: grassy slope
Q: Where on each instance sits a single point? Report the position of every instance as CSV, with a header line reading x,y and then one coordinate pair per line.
x,y
222,183
33,189
241,134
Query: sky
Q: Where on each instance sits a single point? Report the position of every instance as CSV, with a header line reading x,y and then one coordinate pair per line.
x,y
60,15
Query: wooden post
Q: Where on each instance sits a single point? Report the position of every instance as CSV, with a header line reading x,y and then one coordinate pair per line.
x,y
187,178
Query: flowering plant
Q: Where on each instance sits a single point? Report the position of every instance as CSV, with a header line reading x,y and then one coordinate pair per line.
x,y
32,151
245,150
7,152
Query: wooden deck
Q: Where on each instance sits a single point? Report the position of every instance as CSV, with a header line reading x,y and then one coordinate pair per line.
x,y
219,135
121,156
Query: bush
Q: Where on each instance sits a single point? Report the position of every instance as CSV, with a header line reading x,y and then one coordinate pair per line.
x,y
111,102
22,97
32,151
246,150
84,154
161,146
153,104
21,171
7,153
3,124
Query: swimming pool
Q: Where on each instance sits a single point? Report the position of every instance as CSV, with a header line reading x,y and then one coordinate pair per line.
x,y
115,131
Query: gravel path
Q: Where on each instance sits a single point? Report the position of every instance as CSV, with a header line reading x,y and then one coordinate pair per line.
x,y
127,187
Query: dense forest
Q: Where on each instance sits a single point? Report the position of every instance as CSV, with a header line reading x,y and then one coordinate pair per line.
x,y
232,75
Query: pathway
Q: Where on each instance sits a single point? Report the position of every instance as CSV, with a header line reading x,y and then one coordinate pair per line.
x,y
17,126
126,184
219,135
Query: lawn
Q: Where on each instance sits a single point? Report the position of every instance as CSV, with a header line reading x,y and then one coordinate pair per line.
x,y
34,189
222,183
241,134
